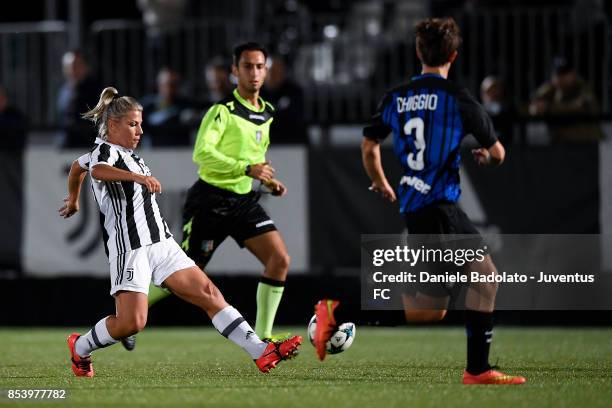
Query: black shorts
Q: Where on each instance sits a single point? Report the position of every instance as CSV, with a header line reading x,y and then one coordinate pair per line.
x,y
212,214
439,218
442,218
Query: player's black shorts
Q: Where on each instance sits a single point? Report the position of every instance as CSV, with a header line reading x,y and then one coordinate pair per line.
x,y
439,218
212,214
442,218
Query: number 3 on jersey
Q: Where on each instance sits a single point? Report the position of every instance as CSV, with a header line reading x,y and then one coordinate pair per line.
x,y
416,124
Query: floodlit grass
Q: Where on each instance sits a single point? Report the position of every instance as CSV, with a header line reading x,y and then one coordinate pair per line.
x,y
387,367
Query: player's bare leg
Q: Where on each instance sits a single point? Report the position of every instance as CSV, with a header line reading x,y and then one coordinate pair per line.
x,y
130,318
131,314
195,287
422,308
272,252
480,297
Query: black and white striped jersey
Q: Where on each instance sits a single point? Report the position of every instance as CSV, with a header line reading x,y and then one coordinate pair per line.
x,y
128,211
84,159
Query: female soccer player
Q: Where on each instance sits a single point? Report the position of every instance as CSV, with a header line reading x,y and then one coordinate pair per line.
x,y
429,116
141,249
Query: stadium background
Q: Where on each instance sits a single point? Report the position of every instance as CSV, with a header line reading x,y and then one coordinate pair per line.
x,y
344,55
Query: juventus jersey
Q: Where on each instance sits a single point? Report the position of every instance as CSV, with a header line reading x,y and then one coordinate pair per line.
x,y
84,160
129,213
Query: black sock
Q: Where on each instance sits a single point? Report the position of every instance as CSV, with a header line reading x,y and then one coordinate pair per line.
x,y
271,282
479,330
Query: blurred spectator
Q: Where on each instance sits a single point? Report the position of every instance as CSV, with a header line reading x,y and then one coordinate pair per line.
x,y
218,81
493,96
166,114
162,19
568,97
12,124
77,95
162,16
288,99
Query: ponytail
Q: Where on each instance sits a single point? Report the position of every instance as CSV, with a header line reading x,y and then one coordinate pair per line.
x,y
110,105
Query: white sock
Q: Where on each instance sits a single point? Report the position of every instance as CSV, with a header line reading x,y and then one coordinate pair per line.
x,y
230,323
97,337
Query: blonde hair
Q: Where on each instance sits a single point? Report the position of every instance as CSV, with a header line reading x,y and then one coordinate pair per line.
x,y
110,106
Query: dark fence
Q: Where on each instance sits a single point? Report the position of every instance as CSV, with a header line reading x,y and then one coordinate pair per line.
x,y
344,60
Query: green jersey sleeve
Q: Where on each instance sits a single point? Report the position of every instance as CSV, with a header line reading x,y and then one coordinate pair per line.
x,y
205,152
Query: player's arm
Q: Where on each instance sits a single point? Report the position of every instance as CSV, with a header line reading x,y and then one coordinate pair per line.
x,y
102,168
376,130
105,172
76,175
372,163
477,122
206,154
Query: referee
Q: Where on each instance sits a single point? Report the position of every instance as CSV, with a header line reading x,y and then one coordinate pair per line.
x,y
230,151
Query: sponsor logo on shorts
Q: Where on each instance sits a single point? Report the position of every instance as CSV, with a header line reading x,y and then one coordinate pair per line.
x,y
263,223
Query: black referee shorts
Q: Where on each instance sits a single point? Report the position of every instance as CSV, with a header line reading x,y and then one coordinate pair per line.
x,y
211,214
442,218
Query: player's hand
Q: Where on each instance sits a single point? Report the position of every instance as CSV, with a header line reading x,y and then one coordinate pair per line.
x,y
481,156
276,187
69,208
384,189
151,183
261,171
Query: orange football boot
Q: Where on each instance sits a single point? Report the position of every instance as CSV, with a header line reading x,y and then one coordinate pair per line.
x,y
276,352
492,377
326,324
81,366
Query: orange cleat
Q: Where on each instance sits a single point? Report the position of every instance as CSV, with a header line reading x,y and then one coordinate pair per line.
x,y
492,377
276,352
81,366
326,324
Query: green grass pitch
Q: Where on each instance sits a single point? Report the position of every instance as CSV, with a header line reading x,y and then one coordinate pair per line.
x,y
386,367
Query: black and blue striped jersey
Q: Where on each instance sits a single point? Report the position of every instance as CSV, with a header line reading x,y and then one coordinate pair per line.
x,y
428,117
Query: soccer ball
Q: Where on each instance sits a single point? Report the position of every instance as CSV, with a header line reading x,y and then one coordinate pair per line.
x,y
341,340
